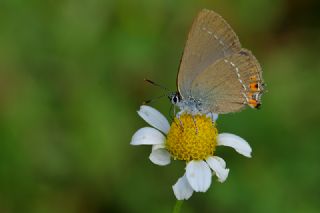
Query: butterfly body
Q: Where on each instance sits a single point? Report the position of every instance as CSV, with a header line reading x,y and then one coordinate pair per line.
x,y
190,105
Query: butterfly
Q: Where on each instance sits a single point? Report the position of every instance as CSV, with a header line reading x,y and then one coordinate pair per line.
x,y
216,75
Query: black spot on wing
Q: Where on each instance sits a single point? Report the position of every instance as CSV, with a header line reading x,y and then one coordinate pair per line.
x,y
242,52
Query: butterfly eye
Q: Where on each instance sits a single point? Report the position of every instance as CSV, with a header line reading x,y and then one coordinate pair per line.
x,y
174,99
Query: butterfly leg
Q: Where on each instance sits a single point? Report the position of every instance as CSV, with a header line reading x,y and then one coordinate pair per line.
x,y
180,124
195,124
172,116
213,116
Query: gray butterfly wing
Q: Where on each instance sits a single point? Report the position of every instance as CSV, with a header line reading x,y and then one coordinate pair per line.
x,y
229,84
209,39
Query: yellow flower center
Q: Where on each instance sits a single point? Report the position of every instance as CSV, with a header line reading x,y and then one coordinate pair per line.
x,y
192,137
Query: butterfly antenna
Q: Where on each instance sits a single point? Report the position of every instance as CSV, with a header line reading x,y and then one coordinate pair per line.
x,y
156,98
155,84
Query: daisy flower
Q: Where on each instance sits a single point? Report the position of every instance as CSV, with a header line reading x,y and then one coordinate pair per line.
x,y
190,138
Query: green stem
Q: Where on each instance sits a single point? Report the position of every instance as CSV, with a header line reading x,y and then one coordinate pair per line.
x,y
177,206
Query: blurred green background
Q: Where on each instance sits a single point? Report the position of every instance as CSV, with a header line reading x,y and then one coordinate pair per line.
x,y
71,80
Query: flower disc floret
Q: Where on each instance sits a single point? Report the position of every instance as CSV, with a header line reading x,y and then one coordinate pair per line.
x,y
192,137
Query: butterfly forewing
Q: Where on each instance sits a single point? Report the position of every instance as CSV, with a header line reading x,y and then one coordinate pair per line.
x,y
229,84
210,39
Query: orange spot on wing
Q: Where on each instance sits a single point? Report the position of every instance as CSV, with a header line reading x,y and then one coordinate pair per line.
x,y
253,78
254,86
254,103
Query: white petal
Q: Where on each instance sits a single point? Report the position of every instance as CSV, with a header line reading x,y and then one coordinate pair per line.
x,y
218,165
160,157
182,189
221,161
198,174
154,118
147,136
158,146
234,141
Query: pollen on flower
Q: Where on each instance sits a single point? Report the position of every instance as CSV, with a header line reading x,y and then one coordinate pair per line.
x,y
192,137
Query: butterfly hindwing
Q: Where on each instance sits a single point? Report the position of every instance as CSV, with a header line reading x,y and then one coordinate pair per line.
x,y
229,84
